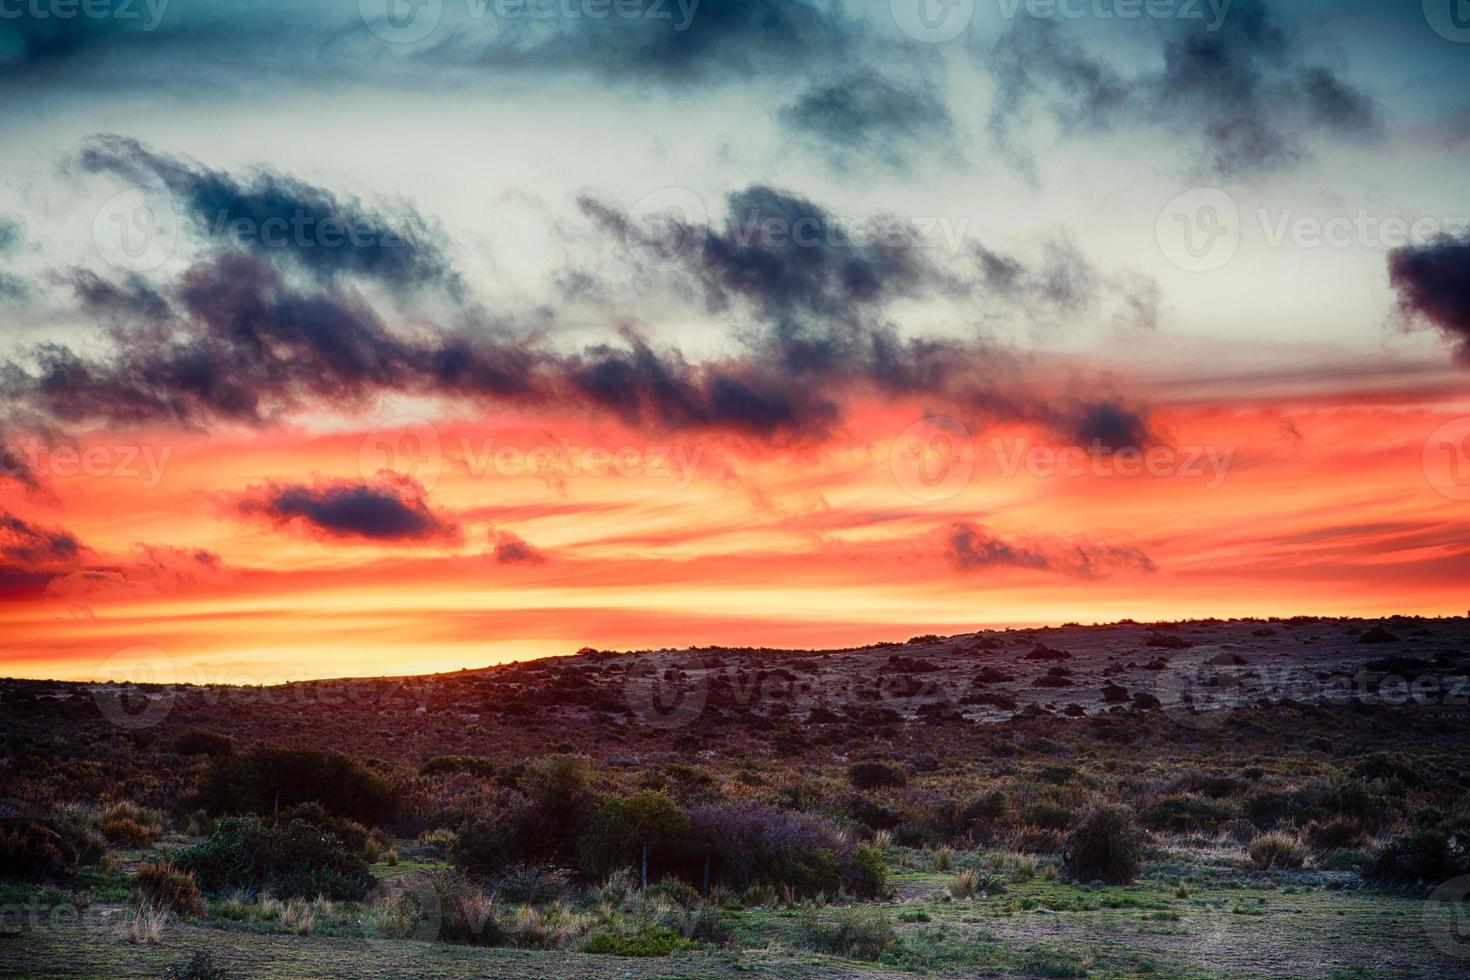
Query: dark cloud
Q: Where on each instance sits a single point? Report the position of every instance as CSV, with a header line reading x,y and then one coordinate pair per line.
x,y
151,570
968,547
1433,284
866,116
1243,89
31,544
32,556
12,287
1109,424
721,39
285,219
15,468
511,550
390,508
234,340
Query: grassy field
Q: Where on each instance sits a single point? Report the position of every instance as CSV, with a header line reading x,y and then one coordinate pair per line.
x,y
1287,794
1196,912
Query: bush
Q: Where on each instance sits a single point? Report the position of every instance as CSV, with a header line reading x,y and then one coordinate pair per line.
x,y
51,849
756,844
621,825
197,742
475,765
201,966
127,832
1104,847
874,775
859,934
869,878
650,940
1051,816
1277,851
543,827
164,886
1422,857
1182,814
1339,833
288,859
249,783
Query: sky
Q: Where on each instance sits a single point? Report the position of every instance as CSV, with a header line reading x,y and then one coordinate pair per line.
x,y
417,335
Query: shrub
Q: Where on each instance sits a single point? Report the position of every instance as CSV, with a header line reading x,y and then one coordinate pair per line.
x,y
650,940
164,886
621,825
127,832
198,742
288,859
543,827
1052,816
1426,856
530,886
50,849
1183,814
475,765
963,885
249,783
1336,834
201,966
1277,851
869,878
874,775
859,934
1104,847
755,844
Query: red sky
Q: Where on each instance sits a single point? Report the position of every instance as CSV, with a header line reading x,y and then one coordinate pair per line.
x,y
1260,502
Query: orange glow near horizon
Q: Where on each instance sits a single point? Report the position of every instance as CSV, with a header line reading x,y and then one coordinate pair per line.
x,y
1324,507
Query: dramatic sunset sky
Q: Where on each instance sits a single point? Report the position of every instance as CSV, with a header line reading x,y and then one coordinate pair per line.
x,y
395,337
